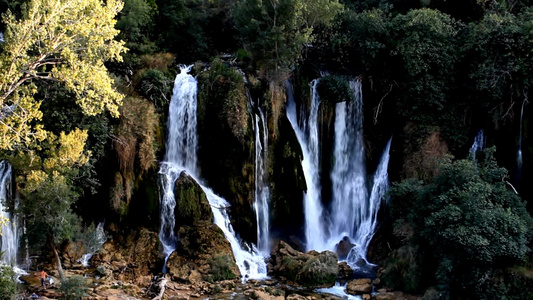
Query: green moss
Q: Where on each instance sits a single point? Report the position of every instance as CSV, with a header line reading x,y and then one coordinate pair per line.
x,y
220,268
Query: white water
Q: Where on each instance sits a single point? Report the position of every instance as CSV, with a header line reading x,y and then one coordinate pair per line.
x,y
307,135
10,231
355,202
181,156
478,145
96,242
182,143
338,290
262,191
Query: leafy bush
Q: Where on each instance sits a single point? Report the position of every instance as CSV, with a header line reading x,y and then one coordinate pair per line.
x,y
221,268
8,289
73,288
156,87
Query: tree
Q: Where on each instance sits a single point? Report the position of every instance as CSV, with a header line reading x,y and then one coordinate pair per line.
x,y
276,31
467,222
63,41
8,289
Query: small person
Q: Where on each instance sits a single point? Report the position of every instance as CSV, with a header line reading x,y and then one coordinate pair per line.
x,y
43,276
34,296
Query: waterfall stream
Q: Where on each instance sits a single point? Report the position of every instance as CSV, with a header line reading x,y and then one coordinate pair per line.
x,y
478,145
307,135
262,192
181,156
355,201
97,240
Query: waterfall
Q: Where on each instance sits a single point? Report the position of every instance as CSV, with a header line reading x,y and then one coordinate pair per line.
x,y
307,135
348,176
10,232
97,240
355,202
478,145
262,192
182,143
181,156
367,225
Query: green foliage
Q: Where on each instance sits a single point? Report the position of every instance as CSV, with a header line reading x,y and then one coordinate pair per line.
x,y
156,87
74,287
276,32
64,41
136,22
333,89
220,268
8,289
470,222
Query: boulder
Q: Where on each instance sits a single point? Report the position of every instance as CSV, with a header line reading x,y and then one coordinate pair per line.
x,y
202,252
345,271
71,253
191,203
312,269
343,247
359,286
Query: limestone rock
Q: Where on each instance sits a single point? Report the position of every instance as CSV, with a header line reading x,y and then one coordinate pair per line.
x,y
359,286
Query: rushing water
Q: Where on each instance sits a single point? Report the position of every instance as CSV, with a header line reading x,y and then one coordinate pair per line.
x,y
181,156
262,191
97,240
519,154
10,231
355,201
307,135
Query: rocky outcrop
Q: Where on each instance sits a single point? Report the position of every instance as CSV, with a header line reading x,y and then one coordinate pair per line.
x,y
203,253
133,258
72,252
359,286
311,269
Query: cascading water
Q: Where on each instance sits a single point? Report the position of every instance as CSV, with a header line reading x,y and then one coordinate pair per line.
x,y
181,156
348,176
97,240
519,154
367,225
354,207
182,143
478,145
307,135
10,233
262,192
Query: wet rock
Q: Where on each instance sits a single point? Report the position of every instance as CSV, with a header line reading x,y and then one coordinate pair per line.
x,y
345,271
312,269
343,247
71,253
359,286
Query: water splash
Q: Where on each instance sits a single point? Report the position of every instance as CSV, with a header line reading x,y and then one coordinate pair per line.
x,y
339,291
181,155
262,191
97,240
307,135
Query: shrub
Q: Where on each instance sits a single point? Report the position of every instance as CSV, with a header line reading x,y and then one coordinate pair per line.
x,y
73,288
7,283
221,268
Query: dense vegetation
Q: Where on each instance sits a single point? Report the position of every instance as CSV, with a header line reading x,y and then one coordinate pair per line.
x,y
85,86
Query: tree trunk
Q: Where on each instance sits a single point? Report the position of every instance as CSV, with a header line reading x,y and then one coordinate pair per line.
x,y
56,255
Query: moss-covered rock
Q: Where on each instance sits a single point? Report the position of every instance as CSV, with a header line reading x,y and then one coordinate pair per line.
x,y
311,269
191,203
